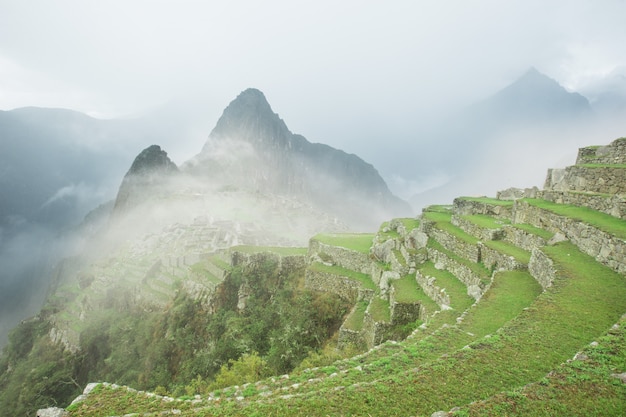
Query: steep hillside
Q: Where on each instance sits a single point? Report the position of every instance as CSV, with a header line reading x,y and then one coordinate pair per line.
x,y
519,303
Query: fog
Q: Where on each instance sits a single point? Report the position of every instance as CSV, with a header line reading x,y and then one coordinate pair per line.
x,y
388,82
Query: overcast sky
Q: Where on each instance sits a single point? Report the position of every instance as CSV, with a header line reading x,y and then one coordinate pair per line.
x,y
338,72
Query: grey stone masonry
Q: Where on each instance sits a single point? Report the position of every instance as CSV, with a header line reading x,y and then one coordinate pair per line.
x,y
469,251
493,259
613,204
605,248
541,268
522,239
346,258
613,153
429,285
477,231
601,179
344,287
475,286
466,207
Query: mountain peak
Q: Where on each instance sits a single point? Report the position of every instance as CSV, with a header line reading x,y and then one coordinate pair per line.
x,y
249,117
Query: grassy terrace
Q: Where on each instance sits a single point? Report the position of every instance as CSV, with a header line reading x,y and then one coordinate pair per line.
x,y
360,242
484,221
408,291
364,279
577,309
599,220
457,291
477,269
578,388
280,250
355,319
543,233
443,222
516,252
379,309
410,223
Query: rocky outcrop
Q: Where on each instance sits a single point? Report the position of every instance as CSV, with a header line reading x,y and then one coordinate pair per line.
x,y
148,172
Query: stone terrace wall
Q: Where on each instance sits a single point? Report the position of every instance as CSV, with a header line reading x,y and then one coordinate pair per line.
x,y
614,153
344,287
346,258
541,268
605,248
475,230
255,260
607,180
494,259
615,205
522,239
465,250
430,288
465,207
475,287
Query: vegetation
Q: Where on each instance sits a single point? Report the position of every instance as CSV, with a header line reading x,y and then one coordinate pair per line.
x,y
602,221
488,200
364,279
184,350
360,242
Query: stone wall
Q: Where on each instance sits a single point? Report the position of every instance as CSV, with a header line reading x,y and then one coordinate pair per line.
x,y
607,180
346,258
541,268
344,287
615,205
493,259
374,332
477,231
475,286
429,285
522,239
614,153
465,250
464,207
605,248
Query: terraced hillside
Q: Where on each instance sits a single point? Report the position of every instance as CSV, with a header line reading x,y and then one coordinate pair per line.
x,y
515,306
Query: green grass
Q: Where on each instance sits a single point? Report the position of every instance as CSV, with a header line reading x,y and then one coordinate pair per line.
x,y
364,279
379,310
619,166
577,388
280,250
443,223
410,223
484,221
355,320
438,209
459,300
516,252
408,291
543,233
604,222
577,309
360,242
478,269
